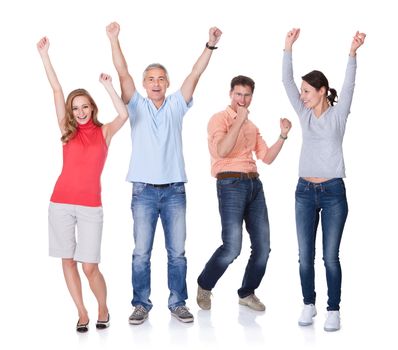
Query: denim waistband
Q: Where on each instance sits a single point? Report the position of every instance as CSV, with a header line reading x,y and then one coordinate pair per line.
x,y
320,184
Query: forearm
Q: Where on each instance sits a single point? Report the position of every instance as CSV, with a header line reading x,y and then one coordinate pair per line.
x,y
51,75
189,85
347,90
201,64
226,145
289,84
273,151
116,100
118,59
126,81
287,69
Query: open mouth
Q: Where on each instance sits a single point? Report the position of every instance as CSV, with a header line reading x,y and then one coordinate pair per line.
x,y
82,118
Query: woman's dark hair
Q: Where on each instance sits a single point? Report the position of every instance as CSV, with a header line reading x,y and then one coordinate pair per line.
x,y
317,80
242,80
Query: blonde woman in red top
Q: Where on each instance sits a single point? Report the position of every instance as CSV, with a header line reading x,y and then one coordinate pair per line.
x,y
76,199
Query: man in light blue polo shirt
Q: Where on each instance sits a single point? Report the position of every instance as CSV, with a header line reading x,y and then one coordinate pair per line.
x,y
157,171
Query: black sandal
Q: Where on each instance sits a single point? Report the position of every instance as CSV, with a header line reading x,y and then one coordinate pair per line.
x,y
82,327
103,324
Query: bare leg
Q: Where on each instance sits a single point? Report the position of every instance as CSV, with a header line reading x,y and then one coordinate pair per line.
x,y
74,284
98,287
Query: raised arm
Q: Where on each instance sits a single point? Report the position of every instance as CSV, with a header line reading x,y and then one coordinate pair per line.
x,y
190,82
291,88
126,81
347,90
113,127
274,150
59,99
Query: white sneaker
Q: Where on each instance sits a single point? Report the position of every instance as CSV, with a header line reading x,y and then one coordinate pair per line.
x,y
309,311
332,322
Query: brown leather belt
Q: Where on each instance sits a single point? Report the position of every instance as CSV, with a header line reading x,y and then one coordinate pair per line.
x,y
237,175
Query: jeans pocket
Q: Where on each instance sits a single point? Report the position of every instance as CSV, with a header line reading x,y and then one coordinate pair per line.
x,y
336,189
301,188
138,188
228,182
179,187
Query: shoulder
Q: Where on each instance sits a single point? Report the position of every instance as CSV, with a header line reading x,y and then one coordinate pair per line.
x,y
177,98
220,116
219,119
135,99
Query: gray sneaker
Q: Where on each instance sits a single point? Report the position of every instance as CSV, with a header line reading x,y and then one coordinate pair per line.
x,y
253,302
203,298
182,314
139,315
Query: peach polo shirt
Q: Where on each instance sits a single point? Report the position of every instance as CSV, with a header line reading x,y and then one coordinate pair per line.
x,y
249,140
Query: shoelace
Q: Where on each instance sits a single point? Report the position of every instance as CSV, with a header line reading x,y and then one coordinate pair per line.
x,y
255,298
139,311
182,310
203,293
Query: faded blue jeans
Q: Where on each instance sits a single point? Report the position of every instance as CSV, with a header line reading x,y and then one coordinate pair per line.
x,y
147,205
326,201
240,201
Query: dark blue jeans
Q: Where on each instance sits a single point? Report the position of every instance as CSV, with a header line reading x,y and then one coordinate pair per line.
x,y
327,201
240,200
148,204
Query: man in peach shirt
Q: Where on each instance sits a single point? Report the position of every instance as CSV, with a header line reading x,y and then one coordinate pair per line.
x,y
232,139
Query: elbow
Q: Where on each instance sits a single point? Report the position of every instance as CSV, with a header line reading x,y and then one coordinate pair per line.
x,y
268,160
222,154
57,89
124,116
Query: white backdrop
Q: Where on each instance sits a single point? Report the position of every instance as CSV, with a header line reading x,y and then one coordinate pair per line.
x,y
36,307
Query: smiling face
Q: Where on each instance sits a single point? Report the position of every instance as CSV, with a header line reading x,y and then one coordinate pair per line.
x,y
312,97
241,96
156,83
82,109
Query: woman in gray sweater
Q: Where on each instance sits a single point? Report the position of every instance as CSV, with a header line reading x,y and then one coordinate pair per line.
x,y
320,192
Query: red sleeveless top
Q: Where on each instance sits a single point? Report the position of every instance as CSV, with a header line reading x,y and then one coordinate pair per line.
x,y
83,161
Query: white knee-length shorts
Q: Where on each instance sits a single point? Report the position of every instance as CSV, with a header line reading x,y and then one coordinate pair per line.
x,y
63,219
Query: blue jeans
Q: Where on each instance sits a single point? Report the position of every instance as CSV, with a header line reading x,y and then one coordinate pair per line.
x,y
328,201
240,200
148,203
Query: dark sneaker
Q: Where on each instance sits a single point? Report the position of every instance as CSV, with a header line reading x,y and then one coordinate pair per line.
x,y
139,315
182,314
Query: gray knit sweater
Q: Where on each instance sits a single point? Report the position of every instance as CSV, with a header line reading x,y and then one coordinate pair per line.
x,y
321,150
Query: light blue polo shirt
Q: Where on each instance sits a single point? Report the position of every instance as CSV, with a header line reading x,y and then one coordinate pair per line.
x,y
156,135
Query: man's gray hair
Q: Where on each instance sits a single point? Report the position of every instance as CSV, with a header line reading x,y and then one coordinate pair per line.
x,y
154,66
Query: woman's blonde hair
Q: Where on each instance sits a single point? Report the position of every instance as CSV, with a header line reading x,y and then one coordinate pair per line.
x,y
70,124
